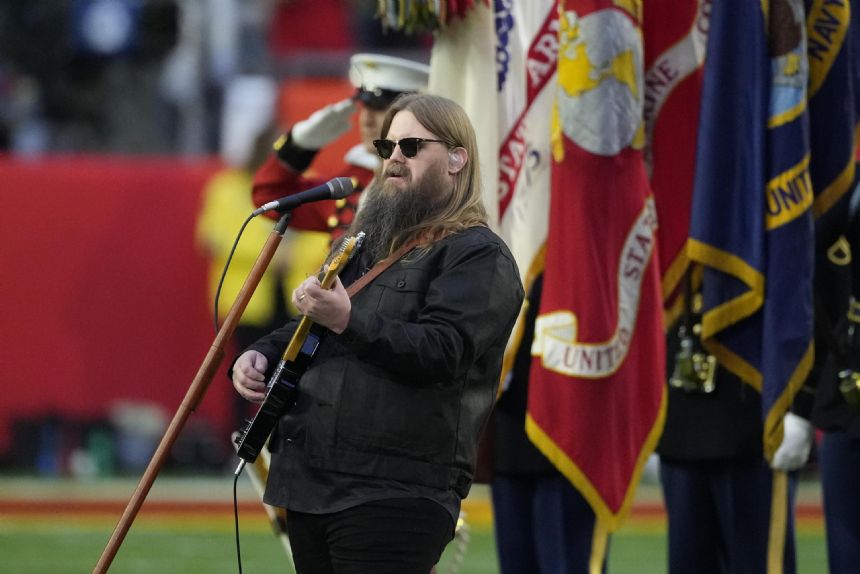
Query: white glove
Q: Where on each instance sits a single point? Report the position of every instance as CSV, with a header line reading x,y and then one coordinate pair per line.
x,y
796,443
324,125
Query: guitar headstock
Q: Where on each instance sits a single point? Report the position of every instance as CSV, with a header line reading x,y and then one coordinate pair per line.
x,y
347,249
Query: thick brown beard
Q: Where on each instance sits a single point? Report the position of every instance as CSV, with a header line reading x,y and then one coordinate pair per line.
x,y
387,211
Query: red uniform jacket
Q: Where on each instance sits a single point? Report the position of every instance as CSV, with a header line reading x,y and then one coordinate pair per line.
x,y
276,179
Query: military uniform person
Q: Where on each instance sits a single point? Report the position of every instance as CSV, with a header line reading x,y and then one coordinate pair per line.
x,y
716,483
836,409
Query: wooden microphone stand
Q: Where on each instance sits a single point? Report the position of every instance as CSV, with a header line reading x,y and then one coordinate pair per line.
x,y
194,395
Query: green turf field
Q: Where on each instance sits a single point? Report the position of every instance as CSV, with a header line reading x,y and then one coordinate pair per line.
x,y
186,526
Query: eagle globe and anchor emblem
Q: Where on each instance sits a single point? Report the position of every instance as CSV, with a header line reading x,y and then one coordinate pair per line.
x,y
600,95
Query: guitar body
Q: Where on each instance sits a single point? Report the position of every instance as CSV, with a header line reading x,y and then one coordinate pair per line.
x,y
281,394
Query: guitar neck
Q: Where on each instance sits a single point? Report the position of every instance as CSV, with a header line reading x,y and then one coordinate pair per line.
x,y
301,334
298,340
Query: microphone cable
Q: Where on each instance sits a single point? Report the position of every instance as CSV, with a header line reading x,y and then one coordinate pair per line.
x,y
224,271
238,471
236,476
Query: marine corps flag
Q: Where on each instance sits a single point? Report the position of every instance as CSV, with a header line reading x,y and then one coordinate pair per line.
x,y
751,225
597,396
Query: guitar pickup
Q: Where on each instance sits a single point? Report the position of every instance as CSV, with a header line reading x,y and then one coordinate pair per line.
x,y
310,345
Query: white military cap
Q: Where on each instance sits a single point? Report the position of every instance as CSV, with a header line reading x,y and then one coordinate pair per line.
x,y
380,79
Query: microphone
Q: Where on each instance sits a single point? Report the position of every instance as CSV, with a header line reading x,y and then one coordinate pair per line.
x,y
337,188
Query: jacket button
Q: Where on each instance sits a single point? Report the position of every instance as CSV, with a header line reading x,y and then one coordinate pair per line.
x,y
401,283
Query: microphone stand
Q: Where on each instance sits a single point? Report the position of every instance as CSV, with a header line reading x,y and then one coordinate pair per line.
x,y
194,394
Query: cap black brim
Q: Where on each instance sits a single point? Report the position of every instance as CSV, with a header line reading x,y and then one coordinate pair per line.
x,y
378,98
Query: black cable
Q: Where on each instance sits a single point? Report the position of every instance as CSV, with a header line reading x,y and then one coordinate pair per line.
x,y
224,274
236,518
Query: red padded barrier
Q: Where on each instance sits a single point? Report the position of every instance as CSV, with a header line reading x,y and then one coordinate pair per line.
x,y
103,290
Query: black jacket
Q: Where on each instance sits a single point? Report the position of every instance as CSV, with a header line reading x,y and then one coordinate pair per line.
x,y
837,280
405,391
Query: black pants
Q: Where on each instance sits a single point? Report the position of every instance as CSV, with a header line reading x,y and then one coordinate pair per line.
x,y
396,536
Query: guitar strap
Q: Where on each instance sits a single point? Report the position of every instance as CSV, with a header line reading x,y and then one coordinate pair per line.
x,y
381,266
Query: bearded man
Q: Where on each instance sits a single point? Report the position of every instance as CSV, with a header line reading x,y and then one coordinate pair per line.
x,y
379,450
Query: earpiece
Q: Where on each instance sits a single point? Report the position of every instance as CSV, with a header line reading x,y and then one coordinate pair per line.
x,y
456,159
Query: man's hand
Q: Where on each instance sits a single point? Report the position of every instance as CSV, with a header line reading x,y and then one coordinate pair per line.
x,y
324,125
796,444
327,307
249,375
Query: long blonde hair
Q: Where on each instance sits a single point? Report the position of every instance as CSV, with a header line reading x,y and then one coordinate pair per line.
x,y
448,122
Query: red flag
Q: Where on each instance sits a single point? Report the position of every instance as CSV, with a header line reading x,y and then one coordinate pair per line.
x,y
597,402
676,34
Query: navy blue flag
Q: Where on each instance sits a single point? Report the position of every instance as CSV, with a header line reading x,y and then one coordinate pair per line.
x,y
751,225
833,111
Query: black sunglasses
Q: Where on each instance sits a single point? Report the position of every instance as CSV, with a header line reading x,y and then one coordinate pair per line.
x,y
408,146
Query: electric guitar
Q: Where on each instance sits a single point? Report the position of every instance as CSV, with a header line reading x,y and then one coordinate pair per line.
x,y
282,387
